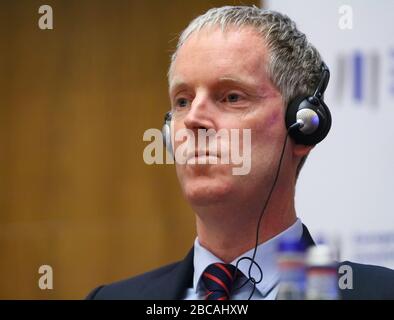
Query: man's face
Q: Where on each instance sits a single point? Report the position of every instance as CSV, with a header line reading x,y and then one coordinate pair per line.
x,y
219,81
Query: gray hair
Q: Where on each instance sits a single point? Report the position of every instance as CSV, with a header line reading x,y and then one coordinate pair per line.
x,y
294,65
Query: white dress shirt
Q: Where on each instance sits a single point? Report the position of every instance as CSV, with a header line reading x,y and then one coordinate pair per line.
x,y
266,259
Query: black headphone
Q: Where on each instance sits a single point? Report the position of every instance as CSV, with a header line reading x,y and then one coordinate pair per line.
x,y
310,112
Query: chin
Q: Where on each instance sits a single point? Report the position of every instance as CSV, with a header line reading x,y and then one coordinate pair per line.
x,y
202,191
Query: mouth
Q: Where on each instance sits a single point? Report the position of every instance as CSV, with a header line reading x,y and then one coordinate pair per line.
x,y
202,157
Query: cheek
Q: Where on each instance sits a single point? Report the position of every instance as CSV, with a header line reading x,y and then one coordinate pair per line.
x,y
267,135
181,136
269,127
275,118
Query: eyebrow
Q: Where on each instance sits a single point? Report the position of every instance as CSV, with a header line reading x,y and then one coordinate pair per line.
x,y
249,85
175,84
225,79
237,81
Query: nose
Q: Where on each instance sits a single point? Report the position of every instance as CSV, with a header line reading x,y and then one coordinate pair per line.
x,y
200,114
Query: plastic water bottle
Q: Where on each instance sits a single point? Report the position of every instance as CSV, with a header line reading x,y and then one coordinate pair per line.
x,y
322,274
291,263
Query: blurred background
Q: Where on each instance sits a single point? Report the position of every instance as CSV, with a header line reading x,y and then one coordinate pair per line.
x,y
346,189
75,102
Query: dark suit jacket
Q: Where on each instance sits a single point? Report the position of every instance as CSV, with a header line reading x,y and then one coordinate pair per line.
x,y
170,282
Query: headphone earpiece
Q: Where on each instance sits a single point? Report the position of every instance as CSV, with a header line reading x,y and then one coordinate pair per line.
x,y
312,113
166,132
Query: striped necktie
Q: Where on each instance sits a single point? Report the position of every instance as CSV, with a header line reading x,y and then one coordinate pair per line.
x,y
218,279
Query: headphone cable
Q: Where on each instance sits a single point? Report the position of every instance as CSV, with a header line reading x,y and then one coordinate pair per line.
x,y
299,124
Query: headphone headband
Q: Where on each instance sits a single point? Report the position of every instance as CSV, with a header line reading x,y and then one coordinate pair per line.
x,y
323,82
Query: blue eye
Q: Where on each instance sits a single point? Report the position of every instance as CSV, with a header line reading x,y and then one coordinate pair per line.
x,y
181,102
233,97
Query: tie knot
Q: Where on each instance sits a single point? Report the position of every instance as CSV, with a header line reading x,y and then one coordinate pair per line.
x,y
218,279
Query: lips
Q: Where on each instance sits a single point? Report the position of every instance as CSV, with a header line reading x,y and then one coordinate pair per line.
x,y
204,156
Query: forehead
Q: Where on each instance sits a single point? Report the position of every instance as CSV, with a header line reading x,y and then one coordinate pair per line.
x,y
212,53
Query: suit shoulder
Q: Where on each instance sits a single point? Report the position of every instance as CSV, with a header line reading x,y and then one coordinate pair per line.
x,y
369,281
131,288
371,272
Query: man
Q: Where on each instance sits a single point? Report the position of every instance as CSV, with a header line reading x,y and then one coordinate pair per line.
x,y
240,68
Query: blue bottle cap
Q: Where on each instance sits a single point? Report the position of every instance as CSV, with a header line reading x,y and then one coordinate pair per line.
x,y
291,245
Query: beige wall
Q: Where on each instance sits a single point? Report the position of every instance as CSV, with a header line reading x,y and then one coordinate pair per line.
x,y
74,103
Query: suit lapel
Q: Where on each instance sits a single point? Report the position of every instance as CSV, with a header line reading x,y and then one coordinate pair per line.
x,y
183,276
306,237
173,284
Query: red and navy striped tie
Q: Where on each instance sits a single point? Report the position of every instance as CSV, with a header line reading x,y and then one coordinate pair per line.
x,y
218,279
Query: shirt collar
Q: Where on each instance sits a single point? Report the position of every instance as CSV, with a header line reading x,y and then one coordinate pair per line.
x,y
265,257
